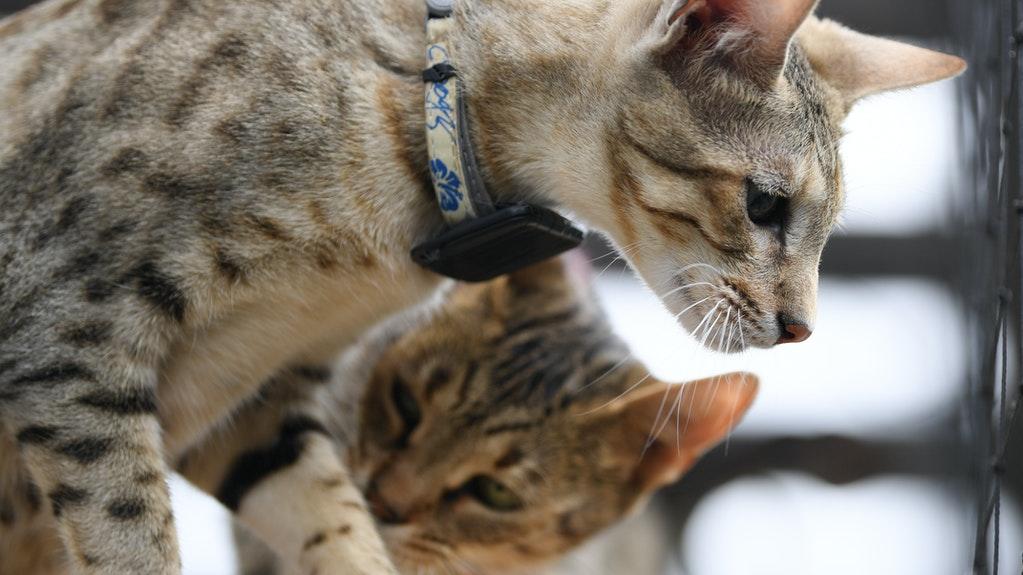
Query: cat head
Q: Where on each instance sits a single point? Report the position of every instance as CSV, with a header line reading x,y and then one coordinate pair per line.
x,y
702,136
513,425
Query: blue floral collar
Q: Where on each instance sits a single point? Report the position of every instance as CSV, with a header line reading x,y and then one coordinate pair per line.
x,y
484,240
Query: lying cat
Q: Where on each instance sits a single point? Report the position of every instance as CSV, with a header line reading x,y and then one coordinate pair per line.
x,y
197,194
490,434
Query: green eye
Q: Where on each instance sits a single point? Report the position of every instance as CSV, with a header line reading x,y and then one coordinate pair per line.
x,y
493,494
407,407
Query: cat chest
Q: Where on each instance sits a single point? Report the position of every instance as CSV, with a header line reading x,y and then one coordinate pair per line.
x,y
211,371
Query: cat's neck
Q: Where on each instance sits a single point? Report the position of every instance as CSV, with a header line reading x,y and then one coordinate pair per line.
x,y
536,89
536,86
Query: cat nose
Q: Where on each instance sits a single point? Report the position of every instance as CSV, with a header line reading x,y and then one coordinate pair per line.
x,y
792,330
381,509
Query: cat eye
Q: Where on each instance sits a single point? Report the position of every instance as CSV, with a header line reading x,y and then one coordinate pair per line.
x,y
493,494
407,407
764,208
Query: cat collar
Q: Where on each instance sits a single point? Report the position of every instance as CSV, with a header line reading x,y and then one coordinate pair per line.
x,y
484,240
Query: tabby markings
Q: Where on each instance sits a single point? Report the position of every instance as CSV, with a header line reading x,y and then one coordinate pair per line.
x,y
87,450
65,496
126,509
36,434
141,402
253,467
60,373
158,289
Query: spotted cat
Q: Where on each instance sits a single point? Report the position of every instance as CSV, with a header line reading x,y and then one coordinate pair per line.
x,y
196,195
490,434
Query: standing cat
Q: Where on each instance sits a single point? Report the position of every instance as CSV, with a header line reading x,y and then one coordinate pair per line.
x,y
491,434
197,194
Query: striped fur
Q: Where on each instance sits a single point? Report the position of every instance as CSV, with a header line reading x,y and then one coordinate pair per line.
x,y
196,194
516,380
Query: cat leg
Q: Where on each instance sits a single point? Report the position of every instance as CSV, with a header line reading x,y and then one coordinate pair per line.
x,y
279,470
254,557
328,528
86,428
29,541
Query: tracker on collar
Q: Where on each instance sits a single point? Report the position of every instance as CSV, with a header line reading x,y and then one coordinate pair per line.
x,y
483,240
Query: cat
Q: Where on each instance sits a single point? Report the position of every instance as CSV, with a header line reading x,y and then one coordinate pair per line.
x,y
490,434
197,194
495,434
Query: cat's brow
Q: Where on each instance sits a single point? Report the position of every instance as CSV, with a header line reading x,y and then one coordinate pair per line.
x,y
684,170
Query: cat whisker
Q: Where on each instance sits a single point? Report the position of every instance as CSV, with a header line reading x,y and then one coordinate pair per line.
x,y
689,413
731,415
631,388
604,375
685,287
742,339
683,274
609,266
659,426
679,314
728,318
709,330
696,330
679,430
727,330
622,254
701,265
608,254
728,345
657,419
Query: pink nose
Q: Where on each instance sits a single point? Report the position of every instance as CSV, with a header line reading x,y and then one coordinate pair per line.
x,y
793,332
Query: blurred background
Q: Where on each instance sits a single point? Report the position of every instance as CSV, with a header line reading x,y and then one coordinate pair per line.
x,y
874,447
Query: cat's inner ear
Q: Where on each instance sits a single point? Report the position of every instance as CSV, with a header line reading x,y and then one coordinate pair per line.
x,y
754,35
679,423
859,65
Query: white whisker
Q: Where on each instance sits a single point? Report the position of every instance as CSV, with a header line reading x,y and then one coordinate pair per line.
x,y
701,265
679,314
654,428
709,330
607,373
696,330
742,339
728,318
685,287
619,397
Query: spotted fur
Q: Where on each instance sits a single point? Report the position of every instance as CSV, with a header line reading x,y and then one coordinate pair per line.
x,y
520,379
195,194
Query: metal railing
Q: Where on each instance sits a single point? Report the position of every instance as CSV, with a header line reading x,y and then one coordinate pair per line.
x,y
990,34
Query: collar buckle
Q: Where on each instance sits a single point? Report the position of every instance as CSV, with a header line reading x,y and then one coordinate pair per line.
x,y
509,239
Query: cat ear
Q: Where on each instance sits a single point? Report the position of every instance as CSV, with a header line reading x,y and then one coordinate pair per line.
x,y
754,34
859,65
682,422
